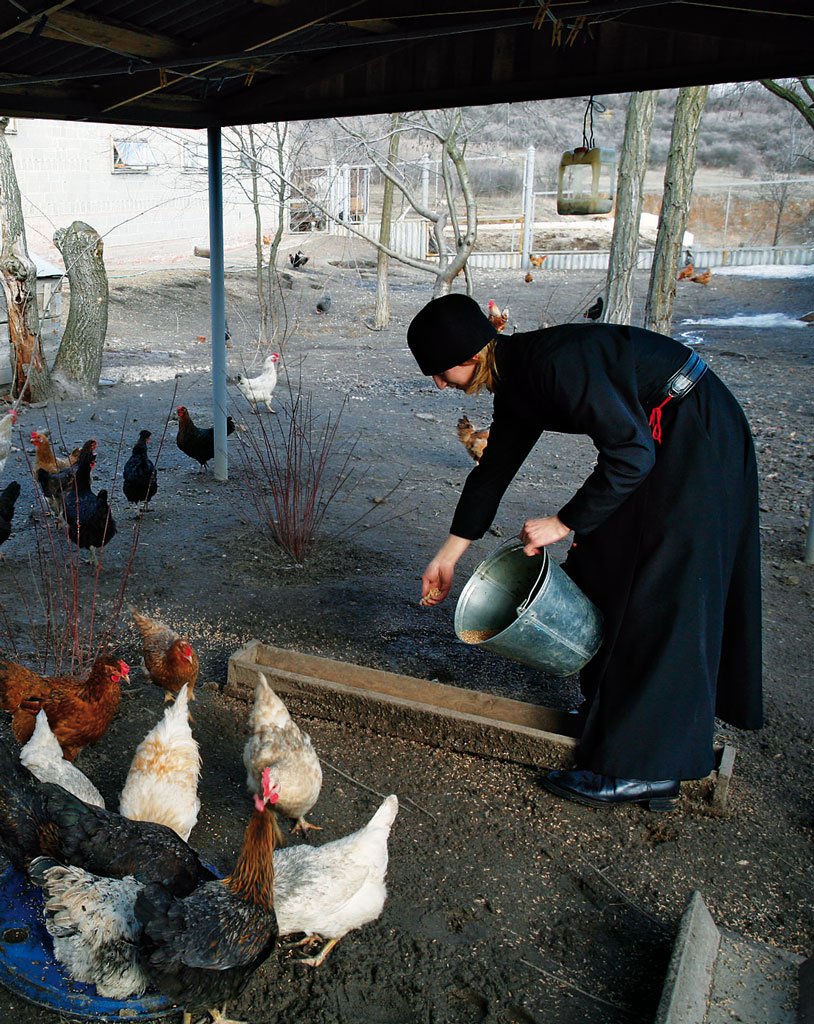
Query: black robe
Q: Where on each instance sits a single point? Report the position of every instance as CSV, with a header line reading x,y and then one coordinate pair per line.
x,y
666,538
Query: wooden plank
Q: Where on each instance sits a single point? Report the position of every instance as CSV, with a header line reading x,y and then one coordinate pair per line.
x,y
404,706
723,777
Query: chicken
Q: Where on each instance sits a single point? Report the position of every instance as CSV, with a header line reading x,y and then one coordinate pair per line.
x,y
6,424
8,499
162,783
198,442
324,303
139,477
123,935
170,660
298,259
594,312
686,272
260,389
327,891
39,818
266,239
42,756
55,476
497,317
702,277
79,710
473,440
276,742
529,277
537,261
90,522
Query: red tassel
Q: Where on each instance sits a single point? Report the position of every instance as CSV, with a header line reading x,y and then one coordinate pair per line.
x,y
655,419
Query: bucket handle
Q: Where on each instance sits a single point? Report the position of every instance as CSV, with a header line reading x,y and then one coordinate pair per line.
x,y
523,606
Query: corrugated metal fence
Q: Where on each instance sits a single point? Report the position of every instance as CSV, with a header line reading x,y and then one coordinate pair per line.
x,y
411,239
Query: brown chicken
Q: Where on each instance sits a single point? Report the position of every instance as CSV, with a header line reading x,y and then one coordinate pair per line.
x,y
529,277
686,272
703,277
537,261
79,711
497,317
170,660
473,440
52,474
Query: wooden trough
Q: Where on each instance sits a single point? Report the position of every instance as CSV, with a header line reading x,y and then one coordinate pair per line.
x,y
450,717
467,721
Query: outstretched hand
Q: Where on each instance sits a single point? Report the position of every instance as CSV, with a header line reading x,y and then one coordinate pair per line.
x,y
436,582
539,533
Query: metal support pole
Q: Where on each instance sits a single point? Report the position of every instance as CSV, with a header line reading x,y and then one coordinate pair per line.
x,y
810,538
528,208
217,302
425,180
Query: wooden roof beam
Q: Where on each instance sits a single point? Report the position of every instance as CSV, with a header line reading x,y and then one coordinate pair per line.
x,y
119,37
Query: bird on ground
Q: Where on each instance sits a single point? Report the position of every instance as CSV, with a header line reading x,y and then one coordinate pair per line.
x,y
8,499
277,742
324,303
55,475
162,781
79,709
298,259
42,756
260,389
686,273
139,477
198,442
123,934
6,424
474,441
90,521
594,312
497,317
702,277
169,659
537,261
529,277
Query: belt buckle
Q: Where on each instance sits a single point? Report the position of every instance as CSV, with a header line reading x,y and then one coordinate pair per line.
x,y
680,385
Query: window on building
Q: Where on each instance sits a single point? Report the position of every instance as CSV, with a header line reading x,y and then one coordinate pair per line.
x,y
132,156
195,157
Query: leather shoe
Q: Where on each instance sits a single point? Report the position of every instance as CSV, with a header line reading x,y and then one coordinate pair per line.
x,y
587,787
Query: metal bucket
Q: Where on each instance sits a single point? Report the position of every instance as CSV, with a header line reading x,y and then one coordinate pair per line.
x,y
527,609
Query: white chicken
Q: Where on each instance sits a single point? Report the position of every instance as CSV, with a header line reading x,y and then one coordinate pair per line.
x,y
162,783
260,389
278,743
42,756
322,891
327,891
6,424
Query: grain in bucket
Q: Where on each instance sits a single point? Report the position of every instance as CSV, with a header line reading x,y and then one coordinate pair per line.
x,y
526,608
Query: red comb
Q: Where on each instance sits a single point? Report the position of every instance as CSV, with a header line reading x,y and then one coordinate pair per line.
x,y
124,668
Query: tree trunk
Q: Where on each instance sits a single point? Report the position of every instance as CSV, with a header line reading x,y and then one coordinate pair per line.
x,y
382,315
675,209
278,312
262,298
18,275
624,249
79,360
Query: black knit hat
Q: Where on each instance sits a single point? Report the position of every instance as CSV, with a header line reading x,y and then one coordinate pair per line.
x,y
448,331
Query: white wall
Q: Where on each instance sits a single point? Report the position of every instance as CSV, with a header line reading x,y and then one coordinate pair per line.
x,y
64,170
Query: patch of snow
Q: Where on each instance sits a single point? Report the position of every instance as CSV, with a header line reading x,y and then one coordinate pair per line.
x,y
757,322
765,271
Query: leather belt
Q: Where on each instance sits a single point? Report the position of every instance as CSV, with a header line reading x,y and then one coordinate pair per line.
x,y
685,378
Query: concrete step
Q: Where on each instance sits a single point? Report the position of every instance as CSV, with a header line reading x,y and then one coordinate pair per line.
x,y
717,976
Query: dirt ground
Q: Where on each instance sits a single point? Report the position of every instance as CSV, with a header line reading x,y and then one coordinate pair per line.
x,y
505,904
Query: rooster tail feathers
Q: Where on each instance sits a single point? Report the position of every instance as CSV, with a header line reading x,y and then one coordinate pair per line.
x,y
42,740
386,814
267,702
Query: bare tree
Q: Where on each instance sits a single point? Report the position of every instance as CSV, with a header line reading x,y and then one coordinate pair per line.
x,y
31,379
624,249
678,179
78,365
787,90
382,316
448,130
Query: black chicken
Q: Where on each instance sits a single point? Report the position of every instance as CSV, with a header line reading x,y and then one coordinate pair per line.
x,y
199,950
594,312
324,303
298,259
55,483
90,522
197,442
139,477
8,497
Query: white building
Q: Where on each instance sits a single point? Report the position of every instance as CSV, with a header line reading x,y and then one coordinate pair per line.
x,y
143,189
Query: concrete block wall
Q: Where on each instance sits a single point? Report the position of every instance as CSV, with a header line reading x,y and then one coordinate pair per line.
x,y
65,173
